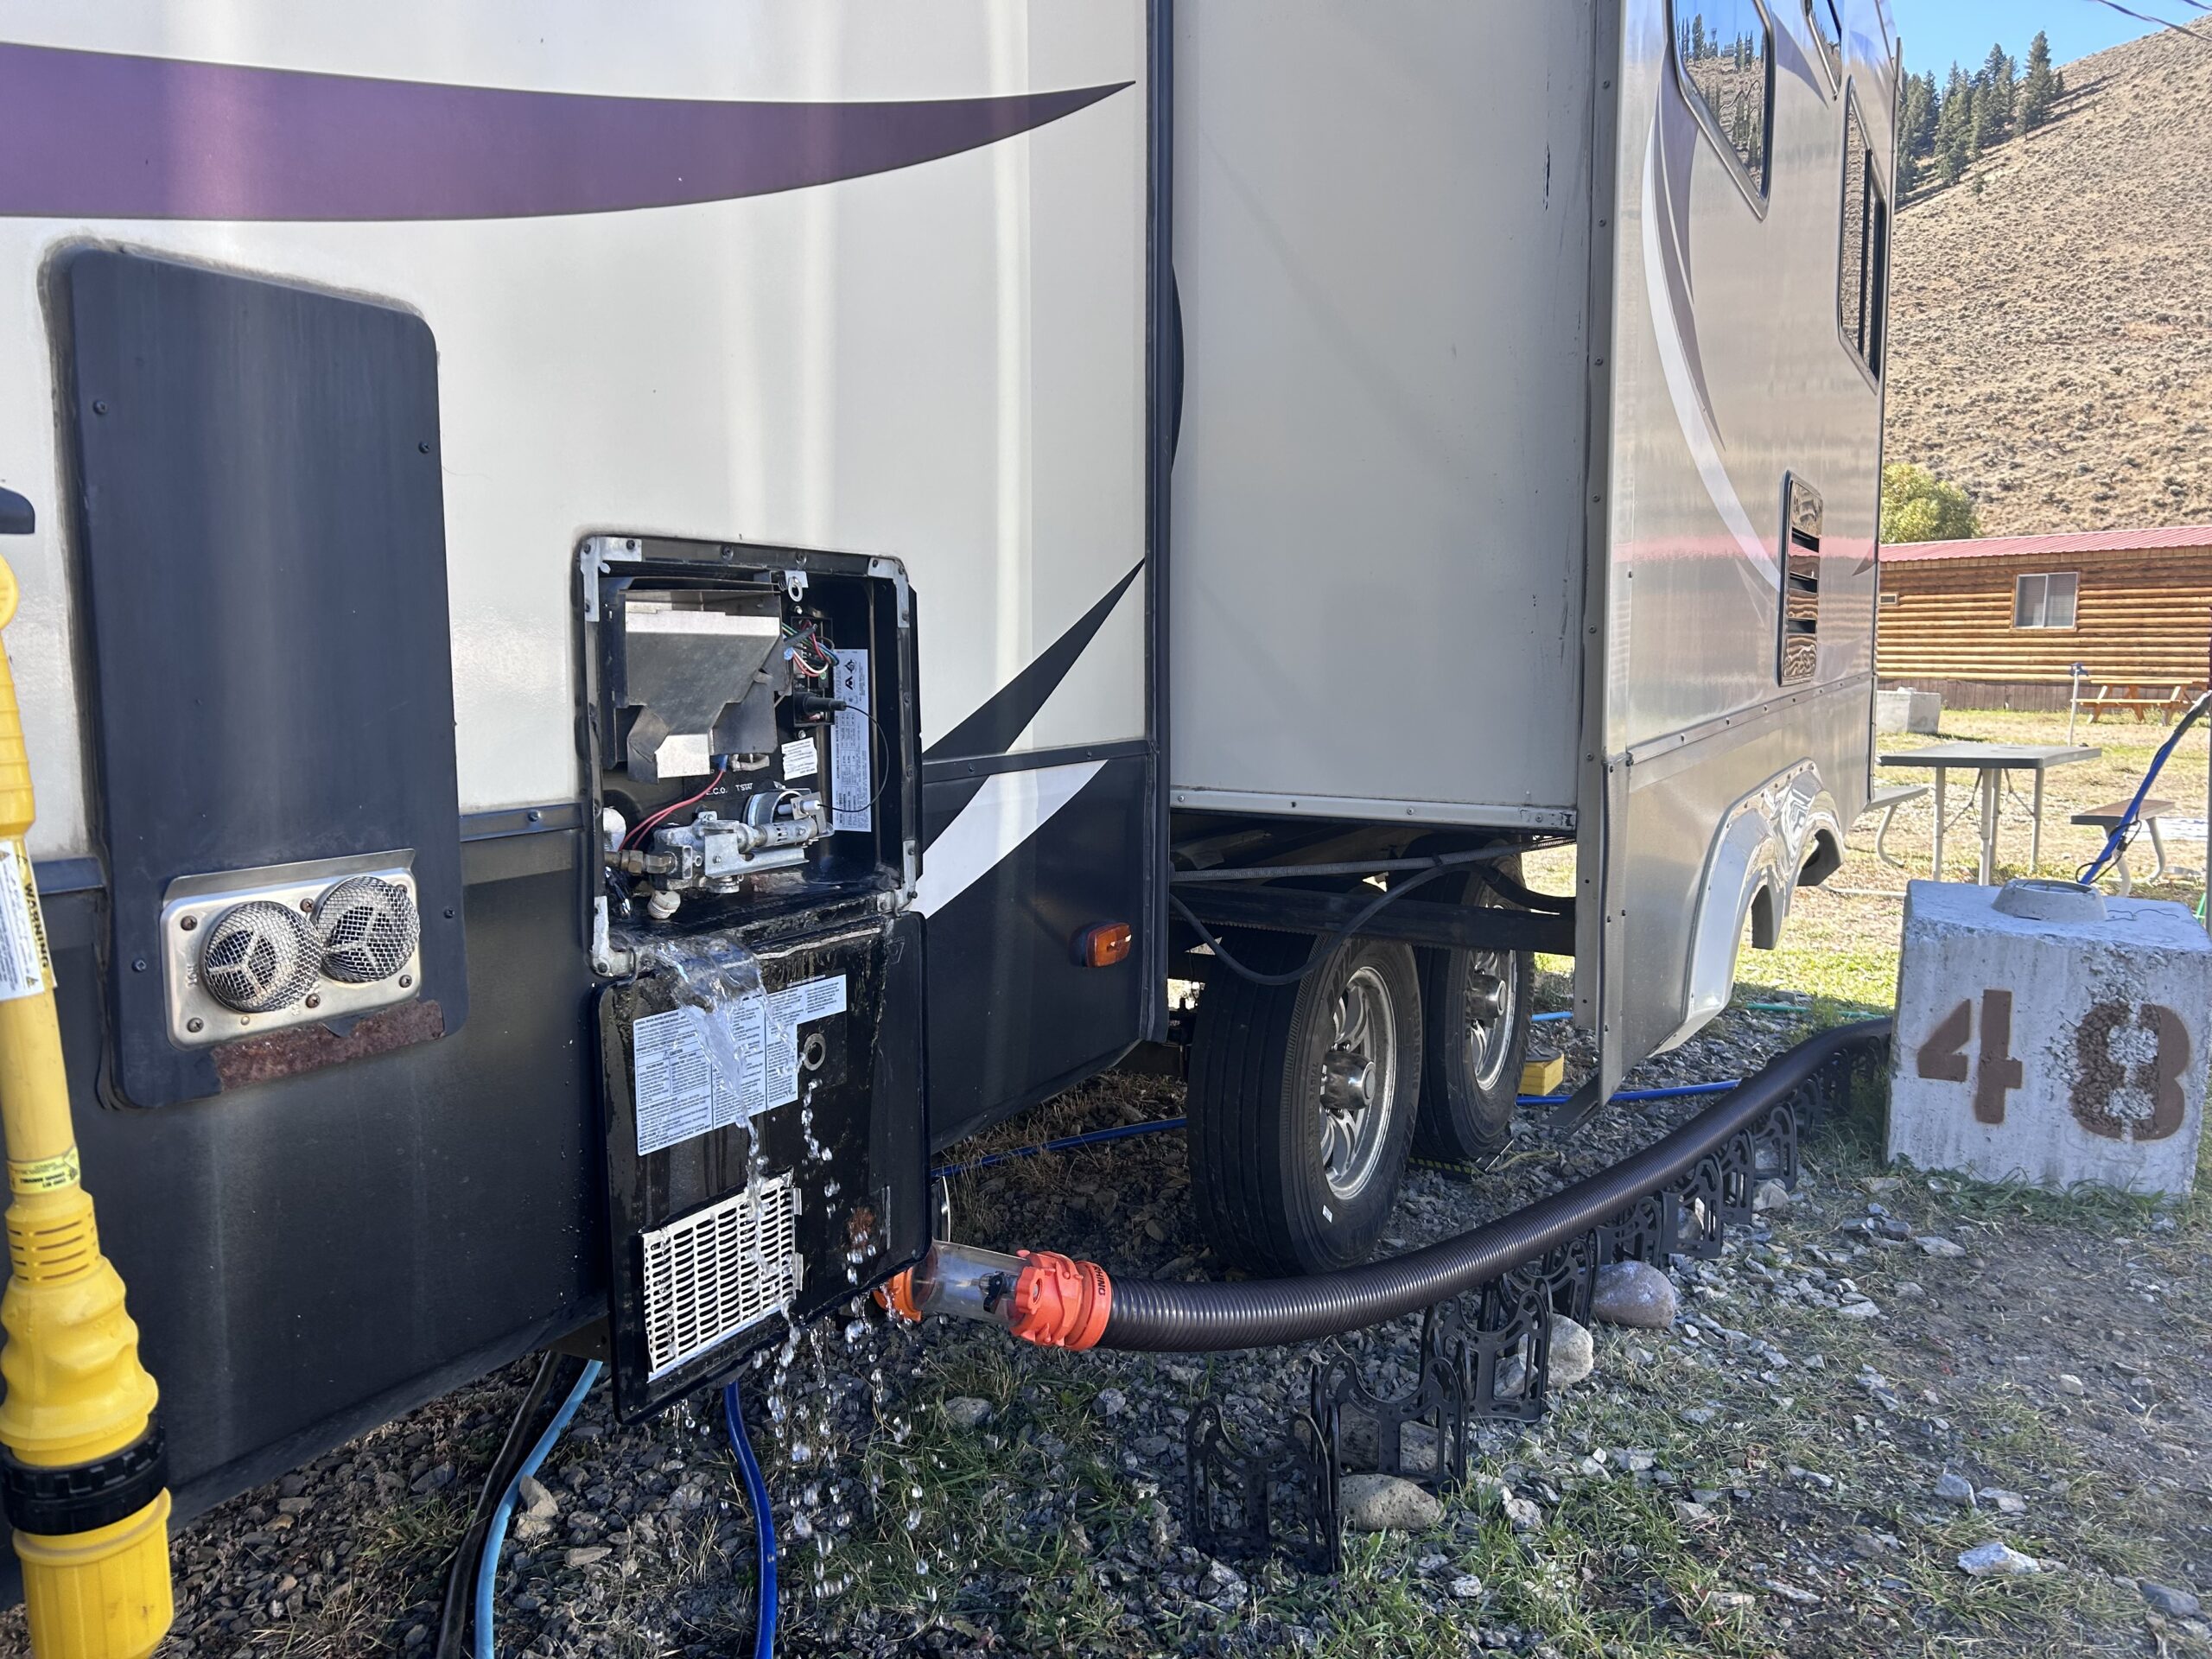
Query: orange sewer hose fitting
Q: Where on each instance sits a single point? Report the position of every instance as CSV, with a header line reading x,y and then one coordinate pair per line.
x,y
1055,1301
1060,1302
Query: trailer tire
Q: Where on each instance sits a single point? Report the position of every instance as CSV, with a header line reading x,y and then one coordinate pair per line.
x,y
1302,1099
1475,1006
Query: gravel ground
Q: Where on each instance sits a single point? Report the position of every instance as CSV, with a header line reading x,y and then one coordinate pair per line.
x,y
1767,1474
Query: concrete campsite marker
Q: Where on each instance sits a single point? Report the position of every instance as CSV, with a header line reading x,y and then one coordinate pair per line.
x,y
2050,1036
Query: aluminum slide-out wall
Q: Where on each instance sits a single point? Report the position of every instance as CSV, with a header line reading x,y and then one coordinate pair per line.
x,y
1506,331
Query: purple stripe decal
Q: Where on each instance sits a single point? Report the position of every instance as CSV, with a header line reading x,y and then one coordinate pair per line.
x,y
91,135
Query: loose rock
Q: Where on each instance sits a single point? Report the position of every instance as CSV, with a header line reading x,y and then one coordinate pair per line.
x,y
966,1411
1955,1488
587,1555
1634,1294
1770,1195
2005,1502
1935,1244
2175,1604
1110,1402
1467,1586
1388,1504
1996,1561
1574,1354
2069,1383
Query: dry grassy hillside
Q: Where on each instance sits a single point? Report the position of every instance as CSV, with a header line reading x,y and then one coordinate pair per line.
x,y
2051,340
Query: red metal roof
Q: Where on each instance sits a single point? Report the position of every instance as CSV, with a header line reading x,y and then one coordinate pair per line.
x,y
2086,541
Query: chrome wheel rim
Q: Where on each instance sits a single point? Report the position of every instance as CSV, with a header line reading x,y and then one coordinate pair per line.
x,y
1358,1082
1491,988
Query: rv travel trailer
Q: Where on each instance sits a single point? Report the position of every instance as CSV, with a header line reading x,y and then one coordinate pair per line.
x,y
630,621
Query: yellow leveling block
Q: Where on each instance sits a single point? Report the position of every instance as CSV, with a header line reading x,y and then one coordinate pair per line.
x,y
82,1470
1543,1073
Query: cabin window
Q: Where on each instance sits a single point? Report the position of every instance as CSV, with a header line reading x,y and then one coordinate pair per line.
x,y
1862,270
1827,19
2046,600
1725,50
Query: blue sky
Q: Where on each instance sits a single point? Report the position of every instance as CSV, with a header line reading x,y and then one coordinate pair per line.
x,y
1937,31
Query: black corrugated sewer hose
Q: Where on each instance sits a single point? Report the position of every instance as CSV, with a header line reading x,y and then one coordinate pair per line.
x,y
1053,1300
1157,1316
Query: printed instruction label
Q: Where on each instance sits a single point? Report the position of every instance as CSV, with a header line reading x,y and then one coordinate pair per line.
x,y
852,751
24,968
799,759
680,1095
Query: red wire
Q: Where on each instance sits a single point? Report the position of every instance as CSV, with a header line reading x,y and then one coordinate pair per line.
x,y
677,807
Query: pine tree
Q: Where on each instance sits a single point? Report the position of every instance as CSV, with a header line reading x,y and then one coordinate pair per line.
x,y
1954,127
1981,117
2040,90
1916,130
2000,87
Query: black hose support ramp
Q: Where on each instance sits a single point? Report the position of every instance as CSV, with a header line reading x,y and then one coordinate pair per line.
x,y
1154,1316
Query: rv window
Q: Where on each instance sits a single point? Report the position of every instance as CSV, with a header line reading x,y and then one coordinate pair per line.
x,y
1863,266
1828,35
1725,49
2046,601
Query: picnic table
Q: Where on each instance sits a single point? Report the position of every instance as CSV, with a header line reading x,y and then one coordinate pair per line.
x,y
1990,762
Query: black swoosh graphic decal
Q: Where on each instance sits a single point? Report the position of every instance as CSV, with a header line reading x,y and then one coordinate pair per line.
x,y
992,727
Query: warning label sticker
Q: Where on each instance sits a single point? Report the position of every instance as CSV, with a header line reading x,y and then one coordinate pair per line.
x,y
799,759
24,969
852,758
681,1094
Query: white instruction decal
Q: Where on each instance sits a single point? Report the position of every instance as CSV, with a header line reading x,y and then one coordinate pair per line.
x,y
786,1011
799,759
680,1090
24,969
852,753
674,1081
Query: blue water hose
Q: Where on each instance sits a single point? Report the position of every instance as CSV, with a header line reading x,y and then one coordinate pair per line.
x,y
764,1523
2116,840
488,1572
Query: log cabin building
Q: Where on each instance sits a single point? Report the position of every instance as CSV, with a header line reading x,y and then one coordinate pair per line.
x,y
1999,622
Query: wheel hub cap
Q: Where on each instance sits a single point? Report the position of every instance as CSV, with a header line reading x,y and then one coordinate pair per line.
x,y
1357,1085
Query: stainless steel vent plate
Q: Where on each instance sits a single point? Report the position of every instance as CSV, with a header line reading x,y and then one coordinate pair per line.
x,y
715,1272
246,952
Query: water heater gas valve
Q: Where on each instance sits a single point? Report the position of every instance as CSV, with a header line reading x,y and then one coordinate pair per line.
x,y
713,853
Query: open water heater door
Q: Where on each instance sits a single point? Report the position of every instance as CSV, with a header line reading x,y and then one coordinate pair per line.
x,y
752,751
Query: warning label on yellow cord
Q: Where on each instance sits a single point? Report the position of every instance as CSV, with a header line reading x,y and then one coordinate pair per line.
x,y
44,1174
25,969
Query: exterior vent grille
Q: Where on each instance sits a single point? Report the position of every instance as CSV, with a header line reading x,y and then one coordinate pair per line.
x,y
718,1270
368,928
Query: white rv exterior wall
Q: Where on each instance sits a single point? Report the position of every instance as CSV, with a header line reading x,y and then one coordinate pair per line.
x,y
1381,244
945,363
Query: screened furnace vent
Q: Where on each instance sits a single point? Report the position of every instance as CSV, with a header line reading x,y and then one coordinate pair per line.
x,y
716,1271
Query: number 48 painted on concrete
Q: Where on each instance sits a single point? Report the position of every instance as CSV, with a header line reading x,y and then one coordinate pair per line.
x,y
1944,1056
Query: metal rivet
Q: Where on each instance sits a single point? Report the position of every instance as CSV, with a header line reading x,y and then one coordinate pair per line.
x,y
99,405
307,904
448,913
536,817
195,1025
423,448
405,980
139,966
188,923
315,999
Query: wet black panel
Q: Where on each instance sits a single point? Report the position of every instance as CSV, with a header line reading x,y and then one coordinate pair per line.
x,y
261,535
838,1124
1011,1018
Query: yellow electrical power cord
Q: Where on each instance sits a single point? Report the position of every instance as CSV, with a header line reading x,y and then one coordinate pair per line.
x,y
83,1472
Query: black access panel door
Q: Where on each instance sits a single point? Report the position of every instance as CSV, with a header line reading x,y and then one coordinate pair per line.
x,y
261,533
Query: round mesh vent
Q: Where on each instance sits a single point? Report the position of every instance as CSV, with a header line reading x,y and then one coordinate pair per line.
x,y
259,956
368,929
